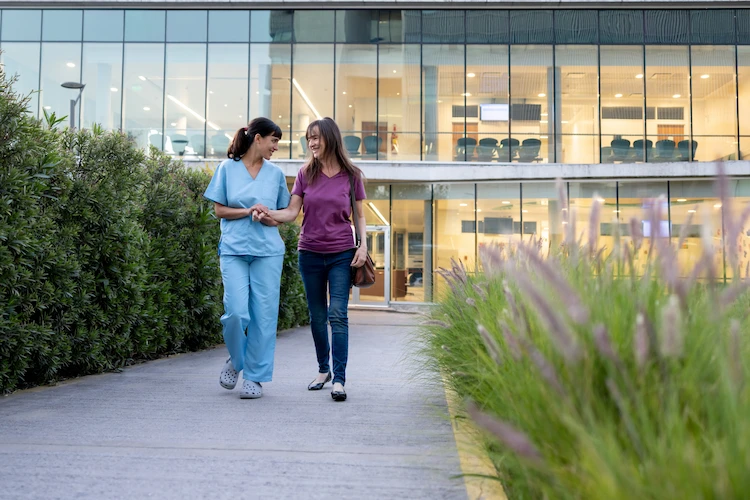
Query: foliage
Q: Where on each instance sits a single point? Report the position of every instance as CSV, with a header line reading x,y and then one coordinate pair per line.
x,y
592,380
107,255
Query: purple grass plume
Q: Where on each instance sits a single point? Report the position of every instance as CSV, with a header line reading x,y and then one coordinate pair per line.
x,y
515,440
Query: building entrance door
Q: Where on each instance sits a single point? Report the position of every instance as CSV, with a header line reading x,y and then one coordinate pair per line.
x,y
379,246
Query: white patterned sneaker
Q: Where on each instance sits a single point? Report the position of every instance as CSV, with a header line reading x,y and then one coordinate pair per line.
x,y
251,390
228,377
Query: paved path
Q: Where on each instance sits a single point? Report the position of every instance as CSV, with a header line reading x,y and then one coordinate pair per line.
x,y
165,429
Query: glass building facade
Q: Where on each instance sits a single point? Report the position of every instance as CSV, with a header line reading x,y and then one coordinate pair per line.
x,y
528,86
513,87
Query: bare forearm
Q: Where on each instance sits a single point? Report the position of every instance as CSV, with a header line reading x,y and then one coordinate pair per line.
x,y
362,227
229,213
285,215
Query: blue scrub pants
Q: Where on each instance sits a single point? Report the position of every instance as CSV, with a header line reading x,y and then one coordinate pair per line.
x,y
251,304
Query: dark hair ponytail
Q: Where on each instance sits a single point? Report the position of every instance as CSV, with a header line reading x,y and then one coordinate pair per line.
x,y
245,136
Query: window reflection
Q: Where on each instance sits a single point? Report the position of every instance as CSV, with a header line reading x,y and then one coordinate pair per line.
x,y
532,110
622,100
488,109
577,70
185,105
499,215
21,25
583,195
454,224
637,201
743,94
62,25
312,91
61,62
270,91
102,74
356,99
445,98
400,101
542,215
411,226
740,190
227,98
143,87
21,60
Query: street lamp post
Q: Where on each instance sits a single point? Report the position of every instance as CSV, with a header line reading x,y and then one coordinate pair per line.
x,y
76,86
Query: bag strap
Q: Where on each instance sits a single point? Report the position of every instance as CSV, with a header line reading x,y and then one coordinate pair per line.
x,y
355,215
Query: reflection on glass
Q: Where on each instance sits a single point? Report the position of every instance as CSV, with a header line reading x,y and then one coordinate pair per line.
x,y
312,91
228,26
622,101
454,223
185,105
62,25
532,96
499,217
542,215
270,89
743,94
143,88
144,25
667,95
400,100
696,212
187,25
638,201
357,26
227,98
21,25
376,209
487,90
103,25
21,61
714,104
411,227
61,62
582,197
314,25
445,96
356,99
102,73
740,190
577,87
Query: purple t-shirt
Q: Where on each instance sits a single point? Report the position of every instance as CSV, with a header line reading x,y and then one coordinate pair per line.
x,y
327,207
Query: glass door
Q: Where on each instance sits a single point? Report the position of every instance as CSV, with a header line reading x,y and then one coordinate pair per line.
x,y
379,246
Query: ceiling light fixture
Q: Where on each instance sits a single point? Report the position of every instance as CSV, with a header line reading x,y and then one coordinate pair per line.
x,y
113,89
681,200
676,96
542,94
71,65
306,99
377,212
618,95
470,75
705,76
639,75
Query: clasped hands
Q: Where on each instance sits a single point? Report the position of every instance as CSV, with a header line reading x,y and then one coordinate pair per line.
x,y
259,212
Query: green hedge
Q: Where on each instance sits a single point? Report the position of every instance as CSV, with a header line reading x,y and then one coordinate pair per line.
x,y
107,255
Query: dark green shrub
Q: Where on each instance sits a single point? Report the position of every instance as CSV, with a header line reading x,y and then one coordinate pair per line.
x,y
293,306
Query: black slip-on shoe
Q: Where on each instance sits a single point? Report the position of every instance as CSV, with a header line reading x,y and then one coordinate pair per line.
x,y
316,387
338,395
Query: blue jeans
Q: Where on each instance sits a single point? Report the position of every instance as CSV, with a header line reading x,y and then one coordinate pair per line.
x,y
331,271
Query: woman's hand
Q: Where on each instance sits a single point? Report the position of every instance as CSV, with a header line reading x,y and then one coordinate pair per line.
x,y
360,256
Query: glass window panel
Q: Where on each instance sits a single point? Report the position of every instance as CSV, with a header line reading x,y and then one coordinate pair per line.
x,y
103,25
542,214
743,26
622,86
62,25
357,26
532,102
271,25
667,92
531,26
226,109
744,148
102,74
411,227
694,204
400,100
499,217
61,62
411,22
313,89
144,25
635,201
314,26
578,86
270,89
21,60
185,105
443,26
22,25
714,111
621,26
576,26
582,197
667,26
143,93
455,222
487,26
487,85
743,79
228,25
186,25
740,190
444,100
712,26
356,98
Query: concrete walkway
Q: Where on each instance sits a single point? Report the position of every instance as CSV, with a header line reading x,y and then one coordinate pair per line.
x,y
166,429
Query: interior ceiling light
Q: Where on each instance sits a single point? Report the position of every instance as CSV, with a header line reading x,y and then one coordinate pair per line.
x,y
618,95
576,75
639,75
470,75
705,76
71,65
542,94
677,96
681,200
307,100
377,213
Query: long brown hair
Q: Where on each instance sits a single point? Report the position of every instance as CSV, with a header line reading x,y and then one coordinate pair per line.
x,y
245,136
334,150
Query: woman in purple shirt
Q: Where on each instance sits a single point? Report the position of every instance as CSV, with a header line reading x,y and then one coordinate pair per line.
x,y
326,247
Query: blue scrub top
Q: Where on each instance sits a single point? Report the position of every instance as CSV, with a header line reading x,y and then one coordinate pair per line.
x,y
233,186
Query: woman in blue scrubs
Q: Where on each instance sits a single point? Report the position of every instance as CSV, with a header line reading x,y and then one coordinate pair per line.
x,y
251,254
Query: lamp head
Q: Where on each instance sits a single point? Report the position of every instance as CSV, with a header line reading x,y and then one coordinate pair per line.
x,y
73,85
